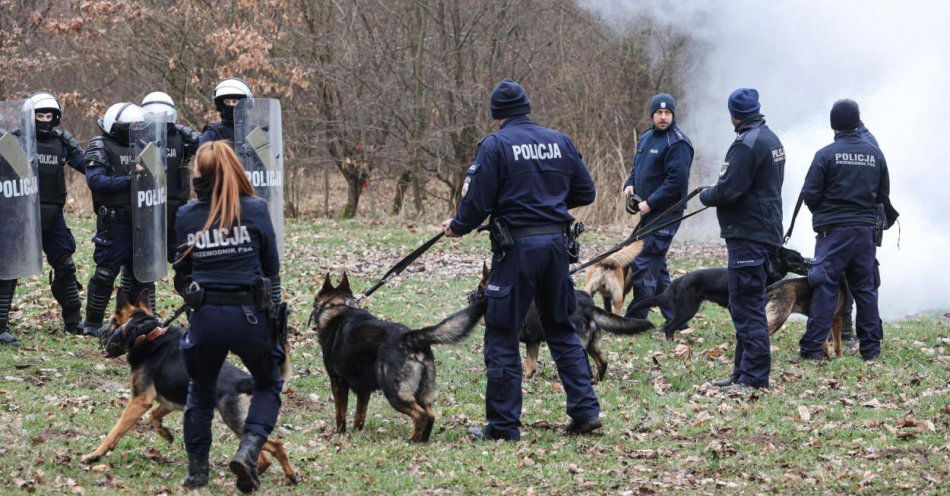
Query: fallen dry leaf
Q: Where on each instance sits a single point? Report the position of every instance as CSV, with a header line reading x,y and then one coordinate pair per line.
x,y
803,413
682,352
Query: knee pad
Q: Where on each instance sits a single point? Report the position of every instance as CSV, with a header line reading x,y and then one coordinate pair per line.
x,y
104,276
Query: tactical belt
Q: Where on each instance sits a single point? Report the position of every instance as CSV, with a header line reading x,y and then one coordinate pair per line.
x,y
520,232
228,299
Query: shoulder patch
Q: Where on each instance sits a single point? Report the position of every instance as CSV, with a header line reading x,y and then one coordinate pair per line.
x,y
473,169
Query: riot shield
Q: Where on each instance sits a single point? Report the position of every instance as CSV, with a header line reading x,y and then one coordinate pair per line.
x,y
149,195
259,143
21,241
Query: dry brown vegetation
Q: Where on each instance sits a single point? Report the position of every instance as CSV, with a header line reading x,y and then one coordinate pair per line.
x,y
382,99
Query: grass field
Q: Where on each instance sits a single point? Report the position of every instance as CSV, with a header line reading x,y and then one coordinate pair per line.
x,y
839,428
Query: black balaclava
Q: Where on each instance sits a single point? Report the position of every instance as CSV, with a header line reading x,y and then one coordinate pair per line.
x,y
203,187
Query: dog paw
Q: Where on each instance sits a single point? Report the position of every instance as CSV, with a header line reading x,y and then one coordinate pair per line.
x,y
292,479
90,458
166,435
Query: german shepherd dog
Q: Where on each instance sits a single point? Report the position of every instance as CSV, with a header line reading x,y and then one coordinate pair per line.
x,y
689,291
159,375
794,296
611,277
364,354
588,320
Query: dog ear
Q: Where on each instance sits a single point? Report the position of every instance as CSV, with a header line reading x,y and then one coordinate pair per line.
x,y
142,300
485,273
345,284
327,286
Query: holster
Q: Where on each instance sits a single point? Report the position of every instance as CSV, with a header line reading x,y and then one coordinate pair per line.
x,y
194,295
878,232
262,294
500,236
573,242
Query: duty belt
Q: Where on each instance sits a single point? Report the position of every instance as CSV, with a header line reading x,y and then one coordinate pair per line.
x,y
520,232
228,299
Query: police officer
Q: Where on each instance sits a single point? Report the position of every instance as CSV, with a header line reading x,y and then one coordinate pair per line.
x,y
182,143
54,148
230,249
226,95
845,185
109,162
748,197
847,325
527,177
659,178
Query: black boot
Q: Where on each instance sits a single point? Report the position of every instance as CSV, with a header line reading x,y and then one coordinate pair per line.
x,y
65,289
197,471
244,463
97,299
6,300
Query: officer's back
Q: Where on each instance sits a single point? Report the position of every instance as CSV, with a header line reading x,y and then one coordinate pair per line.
x,y
843,187
536,166
228,258
749,196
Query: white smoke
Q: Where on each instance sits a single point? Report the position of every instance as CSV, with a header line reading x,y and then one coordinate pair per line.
x,y
891,57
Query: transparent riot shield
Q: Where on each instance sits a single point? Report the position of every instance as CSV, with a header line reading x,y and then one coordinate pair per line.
x,y
21,253
149,195
259,143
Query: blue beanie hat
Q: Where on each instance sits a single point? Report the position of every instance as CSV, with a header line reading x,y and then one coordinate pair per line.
x,y
845,115
744,102
662,101
509,99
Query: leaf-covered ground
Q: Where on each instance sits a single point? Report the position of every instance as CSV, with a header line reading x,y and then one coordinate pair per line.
x,y
839,428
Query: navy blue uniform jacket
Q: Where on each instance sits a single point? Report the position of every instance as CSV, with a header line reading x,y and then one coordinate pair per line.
x,y
232,258
748,195
846,182
660,173
526,175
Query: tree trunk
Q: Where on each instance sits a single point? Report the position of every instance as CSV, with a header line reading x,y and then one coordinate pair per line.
x,y
402,185
354,186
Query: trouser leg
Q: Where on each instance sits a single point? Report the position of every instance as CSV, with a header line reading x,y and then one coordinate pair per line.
x,y
203,356
747,280
556,302
263,359
508,296
832,254
864,278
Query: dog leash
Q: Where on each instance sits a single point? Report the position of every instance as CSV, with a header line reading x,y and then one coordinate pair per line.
x,y
640,232
634,237
180,310
402,264
798,206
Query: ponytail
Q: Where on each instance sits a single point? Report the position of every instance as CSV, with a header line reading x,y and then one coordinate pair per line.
x,y
217,160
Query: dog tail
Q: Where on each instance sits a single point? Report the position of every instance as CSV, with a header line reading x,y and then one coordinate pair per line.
x,y
285,366
453,329
616,324
653,301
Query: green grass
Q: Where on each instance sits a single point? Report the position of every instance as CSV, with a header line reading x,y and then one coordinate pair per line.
x,y
664,432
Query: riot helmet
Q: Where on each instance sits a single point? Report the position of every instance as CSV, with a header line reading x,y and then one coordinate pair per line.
x,y
45,102
118,119
158,102
227,89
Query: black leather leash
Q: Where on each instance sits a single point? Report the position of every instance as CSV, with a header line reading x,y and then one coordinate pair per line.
x,y
798,206
402,264
636,236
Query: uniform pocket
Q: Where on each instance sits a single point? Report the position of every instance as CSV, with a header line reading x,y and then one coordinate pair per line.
x,y
497,312
877,274
188,355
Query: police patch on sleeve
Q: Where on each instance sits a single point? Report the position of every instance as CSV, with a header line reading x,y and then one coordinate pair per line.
x,y
473,169
468,180
725,167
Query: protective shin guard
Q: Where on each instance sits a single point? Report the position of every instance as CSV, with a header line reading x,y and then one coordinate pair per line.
x,y
65,289
126,282
244,463
7,289
98,295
